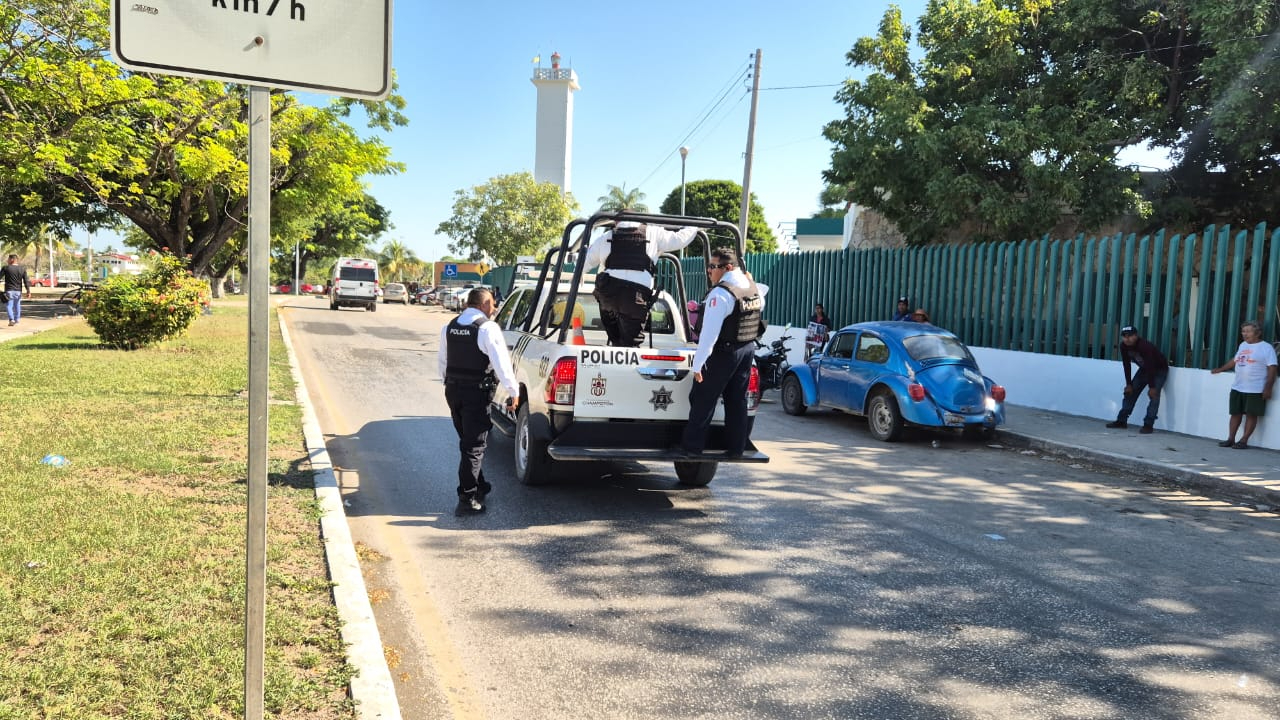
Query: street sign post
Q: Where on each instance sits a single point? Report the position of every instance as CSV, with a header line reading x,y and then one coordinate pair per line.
x,y
341,48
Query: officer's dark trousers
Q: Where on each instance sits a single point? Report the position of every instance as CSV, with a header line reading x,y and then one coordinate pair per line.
x,y
624,306
469,406
725,375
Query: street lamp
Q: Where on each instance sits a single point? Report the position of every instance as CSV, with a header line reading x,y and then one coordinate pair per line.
x,y
684,154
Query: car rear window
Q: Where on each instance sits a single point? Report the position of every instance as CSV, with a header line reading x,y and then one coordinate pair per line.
x,y
358,274
936,347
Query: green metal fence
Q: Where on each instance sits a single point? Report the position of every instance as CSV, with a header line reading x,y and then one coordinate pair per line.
x,y
1187,294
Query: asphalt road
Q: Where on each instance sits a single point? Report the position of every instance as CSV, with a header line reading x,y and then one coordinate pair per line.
x,y
846,579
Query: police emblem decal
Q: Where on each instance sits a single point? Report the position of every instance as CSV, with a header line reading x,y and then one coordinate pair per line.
x,y
598,385
661,398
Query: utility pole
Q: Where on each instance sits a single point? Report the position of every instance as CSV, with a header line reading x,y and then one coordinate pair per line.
x,y
751,139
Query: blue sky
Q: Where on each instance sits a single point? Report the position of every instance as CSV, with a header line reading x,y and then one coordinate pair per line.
x,y
648,74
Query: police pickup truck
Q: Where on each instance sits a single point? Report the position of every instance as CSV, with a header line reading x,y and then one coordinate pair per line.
x,y
581,399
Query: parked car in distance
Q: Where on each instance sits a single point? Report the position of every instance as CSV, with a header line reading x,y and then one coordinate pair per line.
x,y
395,292
897,374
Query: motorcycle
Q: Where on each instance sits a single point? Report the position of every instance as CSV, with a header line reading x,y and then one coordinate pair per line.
x,y
772,364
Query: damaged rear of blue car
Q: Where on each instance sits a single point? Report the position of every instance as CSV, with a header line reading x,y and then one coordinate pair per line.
x,y
897,374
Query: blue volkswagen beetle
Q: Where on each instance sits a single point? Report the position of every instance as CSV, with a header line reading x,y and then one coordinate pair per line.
x,y
897,374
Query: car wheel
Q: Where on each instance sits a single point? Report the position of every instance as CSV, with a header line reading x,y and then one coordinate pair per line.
x,y
883,418
333,305
533,465
373,306
695,474
793,396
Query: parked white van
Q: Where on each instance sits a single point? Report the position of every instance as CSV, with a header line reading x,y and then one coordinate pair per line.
x,y
355,283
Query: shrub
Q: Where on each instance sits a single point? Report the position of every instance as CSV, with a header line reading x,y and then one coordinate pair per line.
x,y
133,311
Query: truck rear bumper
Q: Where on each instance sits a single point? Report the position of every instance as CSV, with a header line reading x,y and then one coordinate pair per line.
x,y
641,442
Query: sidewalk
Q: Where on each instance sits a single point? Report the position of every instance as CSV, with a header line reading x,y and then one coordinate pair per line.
x,y
1251,476
40,312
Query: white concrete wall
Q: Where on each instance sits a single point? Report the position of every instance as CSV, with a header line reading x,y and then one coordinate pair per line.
x,y
1194,402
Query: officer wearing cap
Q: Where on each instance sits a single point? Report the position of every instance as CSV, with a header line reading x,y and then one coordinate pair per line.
x,y
473,359
624,288
732,319
1153,371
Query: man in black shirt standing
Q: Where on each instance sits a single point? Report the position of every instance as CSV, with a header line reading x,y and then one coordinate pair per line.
x,y
15,282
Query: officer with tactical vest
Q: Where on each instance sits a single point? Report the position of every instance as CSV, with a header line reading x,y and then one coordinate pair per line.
x,y
473,359
732,319
624,288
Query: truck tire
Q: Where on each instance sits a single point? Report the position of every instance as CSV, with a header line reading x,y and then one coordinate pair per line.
x,y
695,474
533,464
373,306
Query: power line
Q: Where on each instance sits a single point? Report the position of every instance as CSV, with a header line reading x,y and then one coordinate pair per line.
x,y
707,114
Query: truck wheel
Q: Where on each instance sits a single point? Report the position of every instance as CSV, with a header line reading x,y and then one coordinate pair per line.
x,y
373,306
793,396
333,305
695,474
533,465
883,418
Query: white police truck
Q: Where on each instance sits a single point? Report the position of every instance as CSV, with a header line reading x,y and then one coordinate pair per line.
x,y
581,399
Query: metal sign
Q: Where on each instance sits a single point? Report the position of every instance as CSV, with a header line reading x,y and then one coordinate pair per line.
x,y
327,46
451,271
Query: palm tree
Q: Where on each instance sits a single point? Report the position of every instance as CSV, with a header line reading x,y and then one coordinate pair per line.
x,y
397,258
619,198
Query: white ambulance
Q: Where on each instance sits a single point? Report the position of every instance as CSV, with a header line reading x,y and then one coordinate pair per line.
x,y
354,283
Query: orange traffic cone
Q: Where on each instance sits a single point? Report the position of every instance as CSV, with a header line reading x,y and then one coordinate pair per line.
x,y
576,337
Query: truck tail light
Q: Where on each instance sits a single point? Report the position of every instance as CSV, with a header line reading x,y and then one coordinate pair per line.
x,y
997,393
916,391
753,389
562,380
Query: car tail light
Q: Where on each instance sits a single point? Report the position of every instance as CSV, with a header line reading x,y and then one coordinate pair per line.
x,y
997,393
562,381
916,391
753,389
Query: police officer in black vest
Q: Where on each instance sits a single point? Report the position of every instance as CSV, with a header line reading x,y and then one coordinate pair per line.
x,y
473,360
624,288
732,318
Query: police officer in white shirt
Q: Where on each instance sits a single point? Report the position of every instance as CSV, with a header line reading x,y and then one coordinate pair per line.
x,y
732,319
472,353
624,288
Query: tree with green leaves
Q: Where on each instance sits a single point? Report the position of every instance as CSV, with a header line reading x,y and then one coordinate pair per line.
x,y
1011,119
396,258
988,131
620,198
722,200
508,216
168,154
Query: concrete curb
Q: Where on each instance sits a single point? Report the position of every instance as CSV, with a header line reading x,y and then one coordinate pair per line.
x,y
1190,479
372,687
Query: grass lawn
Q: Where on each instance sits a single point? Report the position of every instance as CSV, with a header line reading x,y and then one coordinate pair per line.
x,y
122,574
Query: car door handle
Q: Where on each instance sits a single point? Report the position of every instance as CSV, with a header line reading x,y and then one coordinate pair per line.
x,y
662,373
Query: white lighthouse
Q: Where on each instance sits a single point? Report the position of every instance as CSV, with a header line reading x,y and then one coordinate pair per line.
x,y
553,155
